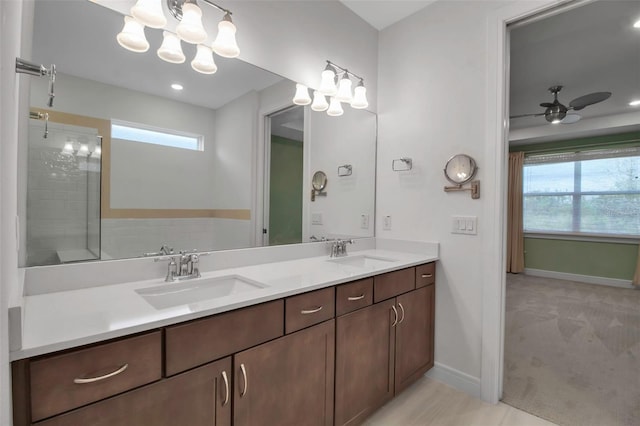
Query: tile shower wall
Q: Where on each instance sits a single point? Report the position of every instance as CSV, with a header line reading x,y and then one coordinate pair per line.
x,y
124,238
58,186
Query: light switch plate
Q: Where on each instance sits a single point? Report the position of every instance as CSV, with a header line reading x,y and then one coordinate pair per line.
x,y
464,225
386,223
316,218
364,221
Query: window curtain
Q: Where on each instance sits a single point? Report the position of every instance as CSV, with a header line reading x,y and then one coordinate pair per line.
x,y
515,234
636,277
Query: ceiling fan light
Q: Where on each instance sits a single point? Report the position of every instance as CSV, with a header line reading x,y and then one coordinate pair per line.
x,y
225,43
171,49
302,95
203,61
149,12
190,29
319,101
132,36
335,108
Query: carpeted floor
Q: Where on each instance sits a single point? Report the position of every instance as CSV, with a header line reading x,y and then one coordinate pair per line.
x,y
572,351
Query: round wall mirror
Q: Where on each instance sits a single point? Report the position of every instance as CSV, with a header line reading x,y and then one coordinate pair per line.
x,y
460,169
319,181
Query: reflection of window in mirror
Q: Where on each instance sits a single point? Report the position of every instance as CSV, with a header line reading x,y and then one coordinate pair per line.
x,y
165,137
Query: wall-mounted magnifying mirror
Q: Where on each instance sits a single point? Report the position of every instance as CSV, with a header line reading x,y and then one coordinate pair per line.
x,y
459,170
319,183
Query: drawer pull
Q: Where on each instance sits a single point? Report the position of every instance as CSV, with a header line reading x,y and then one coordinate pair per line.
x,y
402,309
244,380
81,381
354,298
427,275
395,313
311,311
226,388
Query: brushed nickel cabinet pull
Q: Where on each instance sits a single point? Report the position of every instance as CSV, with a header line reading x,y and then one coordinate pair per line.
x,y
81,380
402,309
354,298
395,313
427,275
244,380
311,311
226,388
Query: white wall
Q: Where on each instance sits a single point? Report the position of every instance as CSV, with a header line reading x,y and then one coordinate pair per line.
x,y
335,141
438,83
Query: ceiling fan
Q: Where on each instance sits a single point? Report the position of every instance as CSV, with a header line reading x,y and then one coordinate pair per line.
x,y
556,112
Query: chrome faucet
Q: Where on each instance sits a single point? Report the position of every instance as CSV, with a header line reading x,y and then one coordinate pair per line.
x,y
165,250
339,248
186,267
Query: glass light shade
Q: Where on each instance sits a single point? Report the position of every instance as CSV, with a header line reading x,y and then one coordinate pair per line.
x,y
171,50
319,102
328,83
68,148
360,98
83,151
149,13
344,90
132,36
302,95
97,152
203,62
335,108
190,29
225,43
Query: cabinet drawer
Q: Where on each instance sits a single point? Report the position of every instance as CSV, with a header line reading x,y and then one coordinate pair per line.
x,y
308,309
198,342
352,296
425,274
389,285
62,382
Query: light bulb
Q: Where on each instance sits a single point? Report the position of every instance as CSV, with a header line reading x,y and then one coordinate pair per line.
x,y
149,13
328,82
203,62
360,97
344,89
302,95
335,108
171,50
97,152
225,43
190,29
319,102
132,36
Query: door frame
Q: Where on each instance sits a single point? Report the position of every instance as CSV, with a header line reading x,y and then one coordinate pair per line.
x,y
496,154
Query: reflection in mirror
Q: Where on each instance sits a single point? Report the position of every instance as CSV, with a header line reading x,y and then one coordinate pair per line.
x,y
319,180
460,169
131,165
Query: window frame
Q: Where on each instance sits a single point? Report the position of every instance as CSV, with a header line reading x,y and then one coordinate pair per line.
x,y
173,132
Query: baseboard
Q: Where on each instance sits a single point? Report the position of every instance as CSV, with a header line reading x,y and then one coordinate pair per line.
x,y
612,282
456,379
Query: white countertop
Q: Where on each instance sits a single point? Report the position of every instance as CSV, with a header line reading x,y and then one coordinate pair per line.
x,y
66,319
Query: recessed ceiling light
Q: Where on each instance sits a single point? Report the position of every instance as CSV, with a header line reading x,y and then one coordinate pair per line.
x,y
176,86
634,102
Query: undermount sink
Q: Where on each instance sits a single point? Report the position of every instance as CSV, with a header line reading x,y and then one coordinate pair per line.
x,y
186,292
363,261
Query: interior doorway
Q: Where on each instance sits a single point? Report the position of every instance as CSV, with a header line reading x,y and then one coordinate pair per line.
x,y
284,172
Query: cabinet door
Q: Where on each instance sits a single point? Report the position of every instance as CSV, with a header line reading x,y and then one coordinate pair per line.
x,y
200,397
364,361
414,335
288,381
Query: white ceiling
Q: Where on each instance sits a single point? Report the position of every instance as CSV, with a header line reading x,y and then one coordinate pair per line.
x,y
592,48
382,13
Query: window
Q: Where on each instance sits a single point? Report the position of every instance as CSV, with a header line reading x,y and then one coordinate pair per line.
x,y
146,134
590,192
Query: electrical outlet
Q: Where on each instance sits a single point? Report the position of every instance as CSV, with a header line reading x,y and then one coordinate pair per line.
x,y
364,221
386,223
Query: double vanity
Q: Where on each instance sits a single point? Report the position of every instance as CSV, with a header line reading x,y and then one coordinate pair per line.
x,y
314,340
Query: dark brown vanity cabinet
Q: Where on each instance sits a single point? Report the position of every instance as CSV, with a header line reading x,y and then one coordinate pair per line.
x,y
325,357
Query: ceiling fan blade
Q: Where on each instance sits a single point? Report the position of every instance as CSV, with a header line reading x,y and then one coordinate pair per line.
x,y
526,115
590,99
571,118
546,104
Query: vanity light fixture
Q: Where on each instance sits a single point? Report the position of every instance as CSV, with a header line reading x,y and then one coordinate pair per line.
x,y
190,29
302,95
337,93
